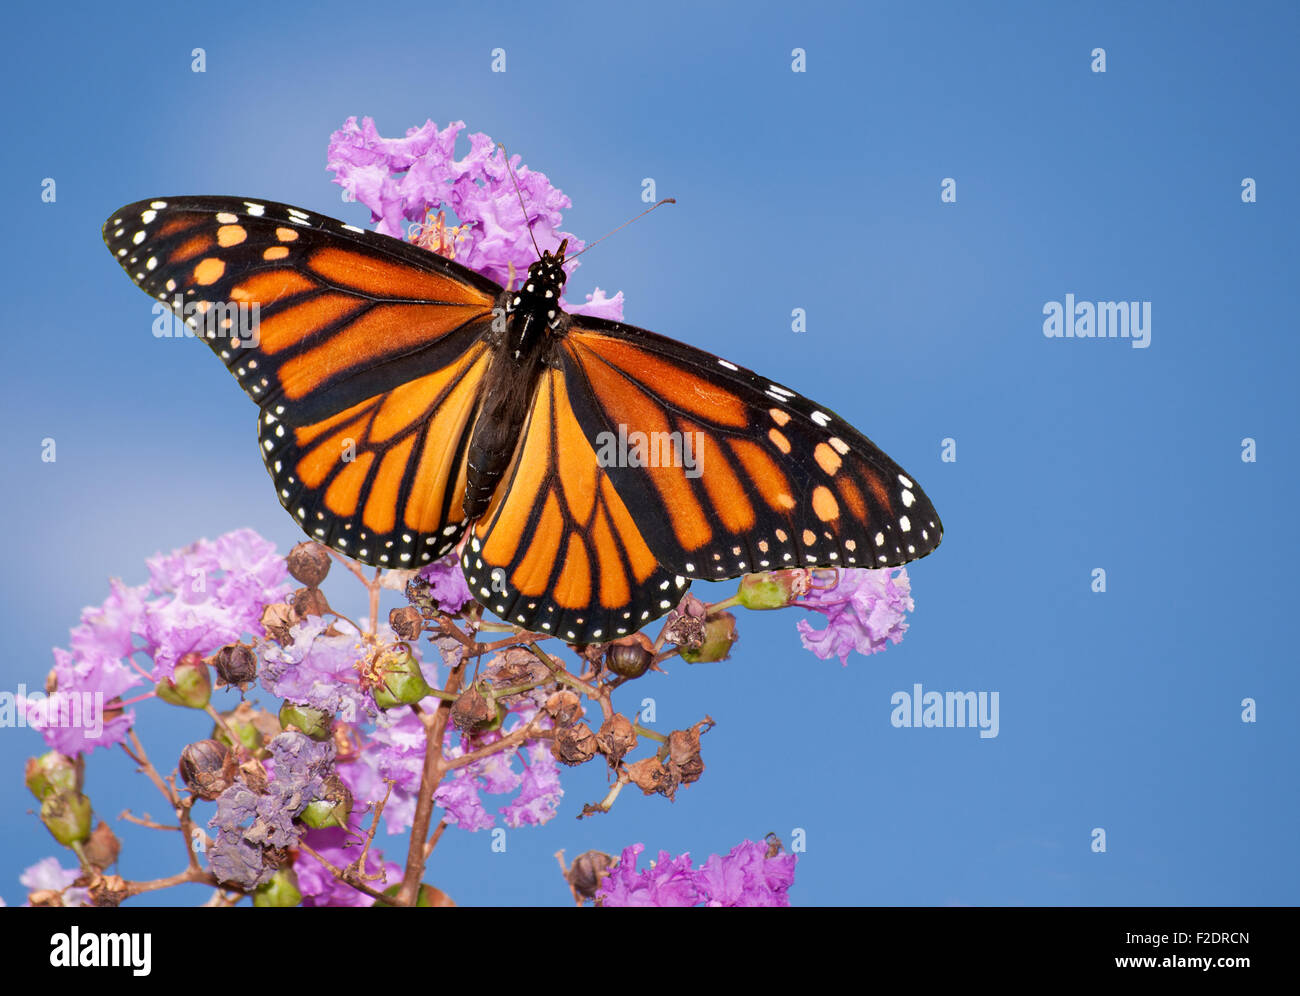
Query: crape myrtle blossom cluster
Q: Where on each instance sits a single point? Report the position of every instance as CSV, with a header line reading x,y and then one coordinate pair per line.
x,y
410,179
332,731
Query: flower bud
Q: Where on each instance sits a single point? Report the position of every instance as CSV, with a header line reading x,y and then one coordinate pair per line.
x,y
683,754
588,871
235,665
48,898
66,815
650,776
107,890
719,636
630,657
309,563
420,594
616,737
331,810
574,744
252,774
772,589
407,622
103,847
564,706
472,710
427,896
252,727
316,723
208,767
397,679
310,602
280,891
278,620
684,625
774,845
190,684
52,772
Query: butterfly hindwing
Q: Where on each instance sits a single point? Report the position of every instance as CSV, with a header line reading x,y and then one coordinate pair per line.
x,y
558,551
384,480
733,473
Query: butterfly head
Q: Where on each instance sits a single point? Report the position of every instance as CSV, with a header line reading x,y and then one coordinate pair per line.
x,y
546,277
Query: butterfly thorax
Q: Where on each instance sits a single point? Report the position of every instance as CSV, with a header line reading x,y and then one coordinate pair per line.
x,y
527,319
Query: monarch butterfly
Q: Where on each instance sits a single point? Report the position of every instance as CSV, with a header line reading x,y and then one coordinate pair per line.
x,y
597,468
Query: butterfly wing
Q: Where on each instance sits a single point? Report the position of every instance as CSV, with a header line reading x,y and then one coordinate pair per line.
x,y
558,551
744,475
365,355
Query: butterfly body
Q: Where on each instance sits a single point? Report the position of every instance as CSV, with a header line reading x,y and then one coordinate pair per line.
x,y
586,470
526,322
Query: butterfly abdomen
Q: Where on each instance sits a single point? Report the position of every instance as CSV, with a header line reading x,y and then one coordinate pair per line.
x,y
508,392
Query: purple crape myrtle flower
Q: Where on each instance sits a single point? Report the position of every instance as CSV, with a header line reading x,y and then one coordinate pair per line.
x,y
209,594
318,885
447,585
73,719
319,669
540,792
538,782
78,717
48,875
668,882
460,795
598,306
744,877
865,611
247,823
197,599
395,750
463,806
406,179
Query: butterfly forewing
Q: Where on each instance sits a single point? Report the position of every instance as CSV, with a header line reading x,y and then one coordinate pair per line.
x,y
312,316
751,475
364,353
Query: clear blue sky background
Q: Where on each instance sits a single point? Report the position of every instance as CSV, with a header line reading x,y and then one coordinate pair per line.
x,y
819,190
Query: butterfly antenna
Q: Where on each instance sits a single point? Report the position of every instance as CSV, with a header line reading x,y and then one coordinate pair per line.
x,y
520,195
666,200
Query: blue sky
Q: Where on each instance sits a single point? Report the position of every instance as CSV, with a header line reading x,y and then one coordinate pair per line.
x,y
821,190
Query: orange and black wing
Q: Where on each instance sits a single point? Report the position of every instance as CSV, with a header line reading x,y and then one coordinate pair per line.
x,y
365,355
726,472
558,550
